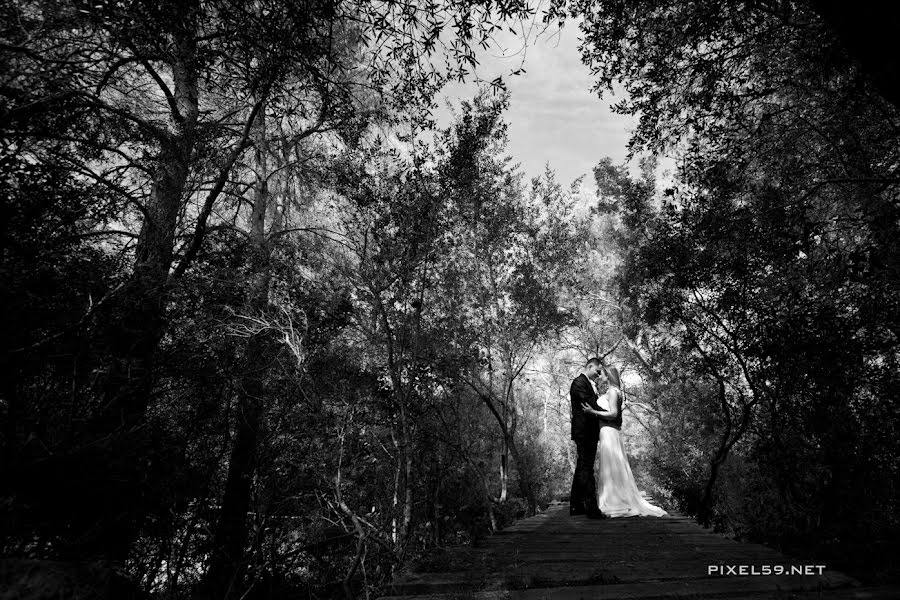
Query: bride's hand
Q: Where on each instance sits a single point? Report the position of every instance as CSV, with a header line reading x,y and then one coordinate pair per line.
x,y
587,409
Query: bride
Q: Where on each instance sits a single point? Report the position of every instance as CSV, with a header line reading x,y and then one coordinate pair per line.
x,y
619,495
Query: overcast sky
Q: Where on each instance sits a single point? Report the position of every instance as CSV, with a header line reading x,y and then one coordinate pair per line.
x,y
553,116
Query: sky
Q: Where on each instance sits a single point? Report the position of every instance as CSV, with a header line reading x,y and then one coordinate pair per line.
x,y
553,115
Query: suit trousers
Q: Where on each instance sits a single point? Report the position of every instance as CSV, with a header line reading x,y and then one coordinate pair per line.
x,y
584,487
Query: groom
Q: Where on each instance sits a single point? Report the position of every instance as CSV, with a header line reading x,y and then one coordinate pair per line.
x,y
586,433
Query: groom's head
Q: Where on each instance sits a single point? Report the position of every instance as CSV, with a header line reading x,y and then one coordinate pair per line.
x,y
592,368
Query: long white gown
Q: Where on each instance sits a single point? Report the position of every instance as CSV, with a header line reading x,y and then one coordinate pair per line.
x,y
617,490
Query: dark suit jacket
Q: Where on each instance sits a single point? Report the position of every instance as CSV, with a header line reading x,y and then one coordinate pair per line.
x,y
584,426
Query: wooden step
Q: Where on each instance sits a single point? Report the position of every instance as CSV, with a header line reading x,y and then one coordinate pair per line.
x,y
555,555
758,589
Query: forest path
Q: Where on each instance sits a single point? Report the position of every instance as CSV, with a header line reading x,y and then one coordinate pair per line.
x,y
556,556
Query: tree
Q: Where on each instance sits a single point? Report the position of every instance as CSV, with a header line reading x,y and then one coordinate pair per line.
x,y
505,268
160,112
770,251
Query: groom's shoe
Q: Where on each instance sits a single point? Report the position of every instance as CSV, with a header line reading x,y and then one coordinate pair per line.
x,y
573,511
596,514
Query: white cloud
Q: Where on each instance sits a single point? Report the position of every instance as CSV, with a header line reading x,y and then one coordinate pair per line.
x,y
553,116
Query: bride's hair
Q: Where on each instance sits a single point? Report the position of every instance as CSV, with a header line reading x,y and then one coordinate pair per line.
x,y
615,379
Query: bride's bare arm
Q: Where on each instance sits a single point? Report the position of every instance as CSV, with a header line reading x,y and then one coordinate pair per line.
x,y
613,411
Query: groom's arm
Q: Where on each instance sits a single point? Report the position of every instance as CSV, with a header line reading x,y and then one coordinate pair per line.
x,y
601,415
584,396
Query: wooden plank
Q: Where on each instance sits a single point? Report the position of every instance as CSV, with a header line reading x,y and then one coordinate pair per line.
x,y
627,553
552,575
539,541
722,587
554,555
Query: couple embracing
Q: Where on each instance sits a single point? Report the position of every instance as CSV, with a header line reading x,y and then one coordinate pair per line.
x,y
597,419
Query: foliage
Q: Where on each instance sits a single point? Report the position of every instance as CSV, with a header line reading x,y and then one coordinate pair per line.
x,y
265,340
222,377
764,280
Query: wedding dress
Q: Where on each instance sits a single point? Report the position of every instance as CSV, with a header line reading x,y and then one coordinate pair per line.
x,y
617,490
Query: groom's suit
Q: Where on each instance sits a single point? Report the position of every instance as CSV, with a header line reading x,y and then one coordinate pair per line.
x,y
586,433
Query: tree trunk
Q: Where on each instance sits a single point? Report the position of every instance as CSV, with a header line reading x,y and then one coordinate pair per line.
x,y
728,440
224,577
134,325
395,501
226,567
546,411
137,325
405,482
509,449
504,453
526,485
408,506
504,468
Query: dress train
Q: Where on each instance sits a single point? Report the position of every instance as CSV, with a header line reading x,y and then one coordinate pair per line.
x,y
617,490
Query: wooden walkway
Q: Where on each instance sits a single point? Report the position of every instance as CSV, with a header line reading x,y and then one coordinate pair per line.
x,y
555,556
